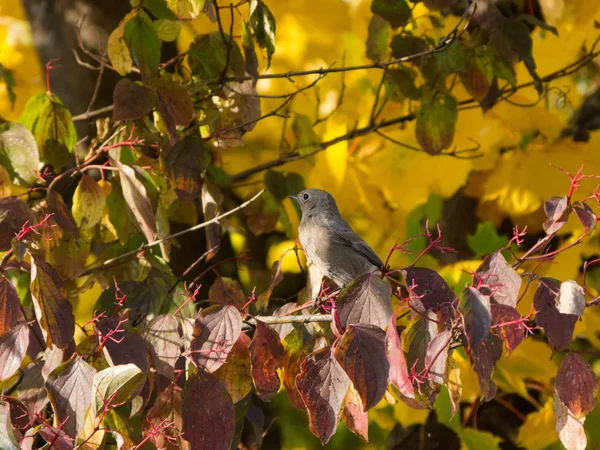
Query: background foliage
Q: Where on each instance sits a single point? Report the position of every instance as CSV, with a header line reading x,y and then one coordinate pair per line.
x,y
474,137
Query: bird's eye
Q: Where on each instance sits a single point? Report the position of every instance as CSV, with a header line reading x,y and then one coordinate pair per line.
x,y
305,197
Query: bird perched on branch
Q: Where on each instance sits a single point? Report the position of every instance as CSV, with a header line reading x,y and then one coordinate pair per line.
x,y
329,242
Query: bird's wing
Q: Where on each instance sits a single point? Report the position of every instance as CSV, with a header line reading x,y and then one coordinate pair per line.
x,y
346,237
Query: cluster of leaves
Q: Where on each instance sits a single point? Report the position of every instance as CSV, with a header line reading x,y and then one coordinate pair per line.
x,y
152,367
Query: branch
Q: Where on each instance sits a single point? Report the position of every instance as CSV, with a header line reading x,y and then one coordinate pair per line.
x,y
145,247
294,319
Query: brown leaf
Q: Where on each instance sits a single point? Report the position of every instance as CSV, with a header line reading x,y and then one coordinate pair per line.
x,y
399,377
366,300
235,373
70,389
297,348
10,306
184,163
354,416
511,334
175,106
576,385
484,357
276,278
162,336
14,212
168,405
430,290
323,385
226,291
52,307
61,213
266,356
13,346
558,327
208,413
31,390
132,101
498,279
137,200
361,353
216,330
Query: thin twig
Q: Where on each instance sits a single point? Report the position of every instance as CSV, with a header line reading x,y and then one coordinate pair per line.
x,y
295,319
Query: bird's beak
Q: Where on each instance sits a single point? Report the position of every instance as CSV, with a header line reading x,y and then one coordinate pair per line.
x,y
293,197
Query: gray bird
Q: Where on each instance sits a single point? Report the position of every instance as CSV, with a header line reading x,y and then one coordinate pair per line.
x,y
328,240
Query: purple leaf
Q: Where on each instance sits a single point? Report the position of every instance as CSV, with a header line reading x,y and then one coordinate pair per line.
x,y
513,333
437,356
586,216
398,370
555,207
162,336
208,413
10,306
498,279
576,385
366,300
124,347
361,353
558,327
430,290
266,356
13,346
14,212
354,416
477,315
323,384
484,357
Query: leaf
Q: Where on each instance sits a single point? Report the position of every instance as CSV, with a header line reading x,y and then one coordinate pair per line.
x,y
437,356
138,201
143,43
486,240
365,300
454,384
576,385
8,440
307,140
479,75
508,326
167,30
89,200
162,336
226,291
118,52
13,347
276,278
187,9
125,347
398,376
52,126
558,327
211,201
407,45
8,78
569,428
323,385
532,20
216,330
263,24
415,340
168,405
436,123
19,153
174,104
496,278
571,299
235,373
266,356
52,308
361,353
207,56
31,389
70,389
61,213
132,101
10,306
396,12
14,212
113,386
586,216
477,315
184,164
516,35
297,348
208,413
556,211
353,415
429,290
400,84
250,59
377,39
484,357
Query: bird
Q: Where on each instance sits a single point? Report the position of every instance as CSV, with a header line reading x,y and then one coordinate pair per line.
x,y
329,242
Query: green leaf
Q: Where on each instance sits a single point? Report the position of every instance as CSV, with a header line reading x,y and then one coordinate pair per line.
x,y
436,122
159,9
453,59
119,383
167,30
263,25
218,176
406,45
479,76
504,69
250,59
207,56
396,12
142,40
188,9
479,440
377,40
19,153
52,126
6,75
532,20
518,39
118,53
486,240
307,140
400,84
88,203
281,185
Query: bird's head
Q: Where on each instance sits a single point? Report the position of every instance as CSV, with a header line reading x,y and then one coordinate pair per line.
x,y
315,200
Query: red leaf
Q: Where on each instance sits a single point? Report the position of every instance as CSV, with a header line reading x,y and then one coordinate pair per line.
x,y
496,278
354,416
513,333
266,356
366,300
52,307
57,437
10,306
398,370
576,385
14,212
477,315
323,385
361,352
430,290
558,327
208,413
70,389
216,330
162,336
13,346
484,357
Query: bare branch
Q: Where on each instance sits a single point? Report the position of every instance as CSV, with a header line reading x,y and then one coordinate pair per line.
x,y
295,319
